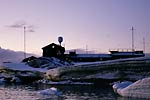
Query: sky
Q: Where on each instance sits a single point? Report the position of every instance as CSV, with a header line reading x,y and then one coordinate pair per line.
x,y
91,25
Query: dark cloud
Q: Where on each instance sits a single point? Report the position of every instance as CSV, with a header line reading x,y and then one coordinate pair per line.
x,y
30,26
30,30
18,24
21,24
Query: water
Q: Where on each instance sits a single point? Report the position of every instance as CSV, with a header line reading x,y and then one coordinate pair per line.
x,y
69,92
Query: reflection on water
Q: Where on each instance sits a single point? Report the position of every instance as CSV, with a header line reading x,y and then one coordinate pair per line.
x,y
69,92
127,98
22,92
87,93
16,93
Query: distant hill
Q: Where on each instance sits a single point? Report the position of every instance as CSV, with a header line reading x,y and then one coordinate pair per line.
x,y
7,55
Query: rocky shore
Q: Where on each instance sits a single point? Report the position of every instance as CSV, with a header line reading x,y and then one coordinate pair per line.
x,y
55,70
116,70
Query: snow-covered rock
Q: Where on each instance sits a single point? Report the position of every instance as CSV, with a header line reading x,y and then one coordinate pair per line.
x,y
50,91
121,85
20,67
139,89
2,80
15,80
124,69
20,72
47,62
33,68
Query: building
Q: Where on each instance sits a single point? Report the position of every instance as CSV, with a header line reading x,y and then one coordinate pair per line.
x,y
126,54
53,50
88,57
101,57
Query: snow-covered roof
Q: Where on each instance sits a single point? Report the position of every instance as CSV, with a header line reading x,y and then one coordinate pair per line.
x,y
126,53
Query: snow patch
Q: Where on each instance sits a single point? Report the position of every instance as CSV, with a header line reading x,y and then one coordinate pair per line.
x,y
121,85
21,67
50,91
107,75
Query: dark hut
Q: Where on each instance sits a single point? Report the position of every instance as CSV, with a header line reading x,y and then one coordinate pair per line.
x,y
53,50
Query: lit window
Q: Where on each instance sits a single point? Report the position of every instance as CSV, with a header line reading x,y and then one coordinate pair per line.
x,y
53,46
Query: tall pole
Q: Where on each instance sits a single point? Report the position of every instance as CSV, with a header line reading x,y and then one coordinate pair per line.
x,y
86,49
24,42
132,38
143,44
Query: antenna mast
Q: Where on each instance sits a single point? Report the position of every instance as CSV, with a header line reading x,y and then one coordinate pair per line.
x,y
132,38
86,49
24,42
143,44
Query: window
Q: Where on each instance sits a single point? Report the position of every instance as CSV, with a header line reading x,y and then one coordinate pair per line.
x,y
53,46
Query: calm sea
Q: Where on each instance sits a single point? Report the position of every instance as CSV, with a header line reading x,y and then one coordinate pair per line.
x,y
69,92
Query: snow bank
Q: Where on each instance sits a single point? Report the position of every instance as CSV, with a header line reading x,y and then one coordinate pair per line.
x,y
131,68
139,89
34,69
47,62
19,72
21,67
41,64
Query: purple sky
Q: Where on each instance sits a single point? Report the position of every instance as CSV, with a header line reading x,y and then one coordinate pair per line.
x,y
98,25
